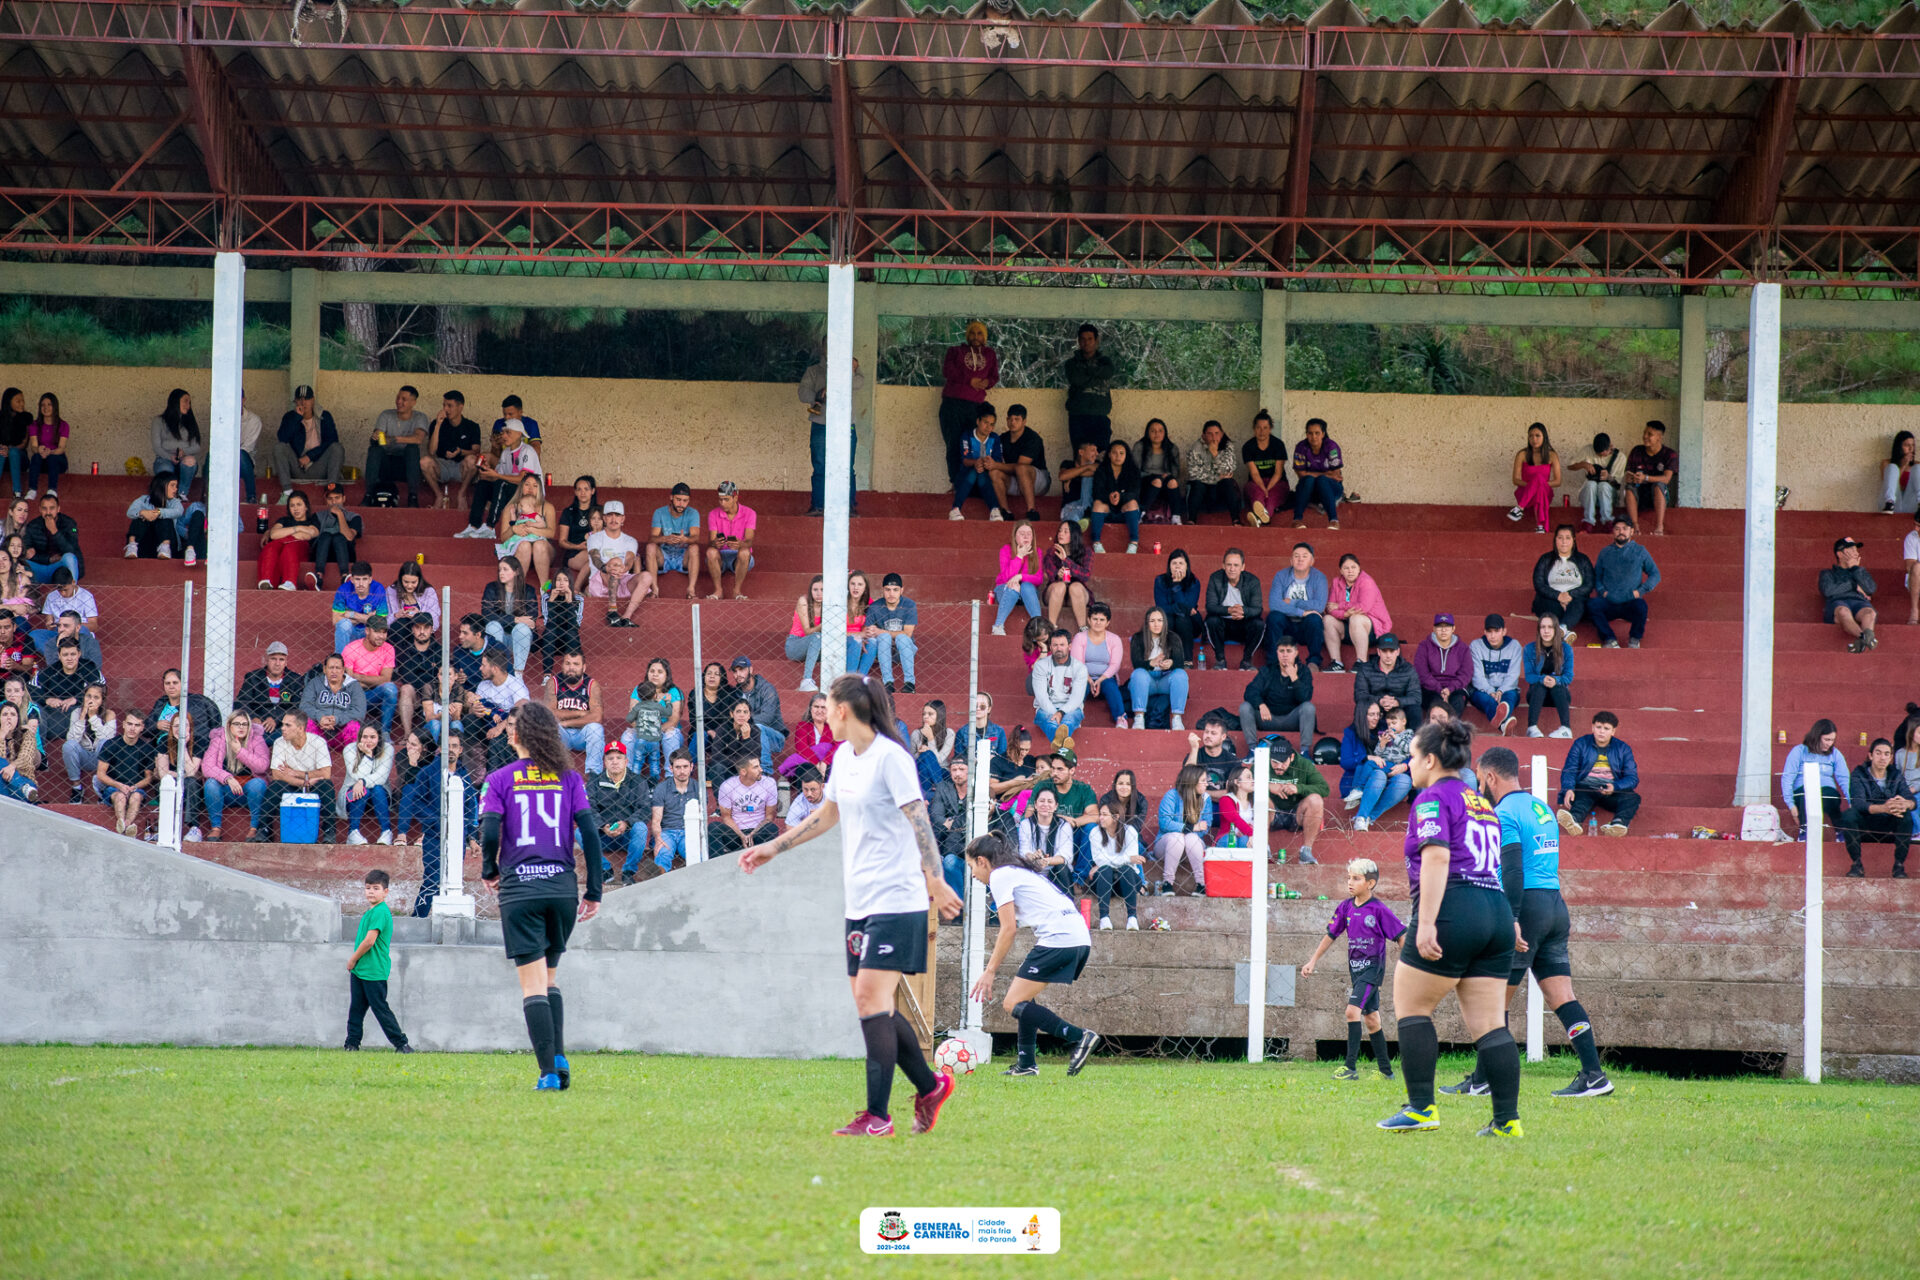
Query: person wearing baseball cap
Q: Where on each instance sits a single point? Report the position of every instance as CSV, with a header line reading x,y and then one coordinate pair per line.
x,y
269,690
1848,591
1444,668
306,447
496,482
1624,575
731,547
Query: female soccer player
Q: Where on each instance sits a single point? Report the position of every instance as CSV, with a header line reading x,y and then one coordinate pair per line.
x,y
537,804
1021,894
1464,935
891,865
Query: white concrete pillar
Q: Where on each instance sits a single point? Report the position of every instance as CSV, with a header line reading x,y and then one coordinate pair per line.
x,y
1754,785
1273,358
834,532
1257,926
1815,964
222,607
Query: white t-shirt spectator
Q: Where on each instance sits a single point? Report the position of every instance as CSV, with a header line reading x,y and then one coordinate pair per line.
x,y
798,811
81,602
603,546
1910,549
518,461
750,805
249,429
314,755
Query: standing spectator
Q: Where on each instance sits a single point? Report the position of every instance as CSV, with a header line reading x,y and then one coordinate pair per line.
x,y
271,690
1265,457
1296,606
370,662
1116,490
675,547
1848,591
979,473
47,445
335,706
1444,667
668,825
1089,375
745,805
1177,593
153,520
89,729
1024,455
579,520
613,565
1881,809
1355,610
891,622
1159,463
1562,580
510,609
1319,472
1547,664
234,771
1059,690
1184,818
306,446
357,600
1297,792
400,435
300,764
1899,478
1067,569
1910,555
1159,666
1818,749
1599,772
250,429
813,394
1650,468
1536,474
1019,579
1385,680
14,422
124,771
1233,610
1117,860
453,452
368,769
1099,651
1603,468
1213,475
53,542
496,481
179,450
338,541
1624,576
287,542
730,547
1496,673
1280,699
620,798
574,698
416,673
968,372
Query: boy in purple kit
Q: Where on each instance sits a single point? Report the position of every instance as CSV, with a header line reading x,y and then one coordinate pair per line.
x,y
1318,469
1369,925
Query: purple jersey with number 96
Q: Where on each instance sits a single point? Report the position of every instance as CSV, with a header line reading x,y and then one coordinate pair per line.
x,y
536,828
1448,813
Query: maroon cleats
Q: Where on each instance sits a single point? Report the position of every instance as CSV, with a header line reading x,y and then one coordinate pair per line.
x,y
926,1106
866,1125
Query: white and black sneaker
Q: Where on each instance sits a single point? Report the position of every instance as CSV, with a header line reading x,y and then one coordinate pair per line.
x,y
1021,1069
1468,1088
1089,1041
1333,668
1588,1084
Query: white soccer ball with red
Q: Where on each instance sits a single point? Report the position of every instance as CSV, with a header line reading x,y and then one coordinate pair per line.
x,y
957,1056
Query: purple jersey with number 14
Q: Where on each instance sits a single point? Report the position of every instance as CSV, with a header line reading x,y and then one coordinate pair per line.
x,y
1449,814
536,823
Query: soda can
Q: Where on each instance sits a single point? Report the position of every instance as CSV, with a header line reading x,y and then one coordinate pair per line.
x,y
96,468
420,558
1156,548
1863,739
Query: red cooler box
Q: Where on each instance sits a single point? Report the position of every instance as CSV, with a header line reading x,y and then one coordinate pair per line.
x,y
1229,873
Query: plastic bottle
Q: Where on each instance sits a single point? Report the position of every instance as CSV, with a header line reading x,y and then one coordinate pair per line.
x,y
1593,824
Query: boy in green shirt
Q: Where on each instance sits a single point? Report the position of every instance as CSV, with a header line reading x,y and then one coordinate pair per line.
x,y
370,966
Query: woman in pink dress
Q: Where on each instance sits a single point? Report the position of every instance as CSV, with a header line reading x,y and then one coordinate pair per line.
x,y
1536,474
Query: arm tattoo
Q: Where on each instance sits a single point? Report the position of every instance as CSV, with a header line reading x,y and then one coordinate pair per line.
x,y
793,837
923,836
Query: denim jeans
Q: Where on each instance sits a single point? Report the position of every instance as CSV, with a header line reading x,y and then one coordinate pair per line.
x,y
1113,691
1145,682
17,786
885,646
974,484
186,471
1487,705
43,571
1378,792
345,631
1124,881
522,642
381,700
817,450
52,465
806,651
1320,489
382,809
1009,595
218,796
1048,726
953,868
1605,613
16,468
636,846
590,738
646,758
671,843
249,490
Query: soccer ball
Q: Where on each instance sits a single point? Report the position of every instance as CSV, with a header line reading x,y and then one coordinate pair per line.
x,y
957,1056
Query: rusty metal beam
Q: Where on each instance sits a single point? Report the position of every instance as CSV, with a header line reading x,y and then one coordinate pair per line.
x,y
1752,192
237,159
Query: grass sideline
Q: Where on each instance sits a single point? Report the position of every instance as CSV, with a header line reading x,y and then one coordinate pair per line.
x,y
227,1162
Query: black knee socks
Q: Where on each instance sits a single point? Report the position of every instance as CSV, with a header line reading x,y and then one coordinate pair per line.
x,y
539,1015
883,1053
559,1032
1574,1018
1499,1065
1035,1017
1353,1045
1380,1049
1419,1054
913,1063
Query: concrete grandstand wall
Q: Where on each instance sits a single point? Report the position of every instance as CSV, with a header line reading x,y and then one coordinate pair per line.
x,y
647,431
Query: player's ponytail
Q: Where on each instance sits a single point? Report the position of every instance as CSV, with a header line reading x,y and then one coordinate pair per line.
x,y
537,734
999,853
1450,743
867,698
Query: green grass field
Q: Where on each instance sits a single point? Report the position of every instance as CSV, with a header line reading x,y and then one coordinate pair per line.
x,y
180,1163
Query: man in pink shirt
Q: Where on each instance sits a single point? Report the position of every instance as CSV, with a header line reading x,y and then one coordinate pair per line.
x,y
369,662
731,547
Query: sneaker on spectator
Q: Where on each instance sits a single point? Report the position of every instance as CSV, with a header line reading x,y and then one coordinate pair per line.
x,y
1106,925
265,584
1516,514
1351,800
386,837
34,493
313,580
288,586
953,513
1567,823
1614,829
193,835
1533,731
1139,719
1635,644
1361,824
1133,924
999,631
1333,668
354,837
1561,732
808,686
165,551
1506,723
1099,549
193,557
133,549
1178,724
994,516
1133,548
1176,517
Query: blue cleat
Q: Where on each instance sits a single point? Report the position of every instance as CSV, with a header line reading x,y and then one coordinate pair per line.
x,y
560,1069
1411,1120
549,1081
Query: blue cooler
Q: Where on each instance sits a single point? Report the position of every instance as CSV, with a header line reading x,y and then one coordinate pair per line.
x,y
300,818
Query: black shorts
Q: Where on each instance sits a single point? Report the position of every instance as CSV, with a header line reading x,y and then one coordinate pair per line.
x,y
1855,603
1283,820
1363,990
1544,924
1054,964
1643,494
535,927
1475,928
897,942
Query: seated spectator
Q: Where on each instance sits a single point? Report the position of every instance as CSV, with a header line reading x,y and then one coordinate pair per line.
x,y
410,594
306,446
1024,456
69,597
453,452
1116,491
1599,772
1624,576
803,638
1077,484
668,825
574,698
1100,652
1033,641
811,793
1296,606
1356,611
416,674
1899,477
1067,569
1233,810
980,728
1603,468
744,807
469,648
931,745
356,601
1265,459
496,481
1818,749
891,621
1213,750
563,611
400,436
1444,666
90,727
1059,686
154,522
653,718
620,798
1177,593
1161,498
1848,591
717,697
338,542
1234,611
18,657
1357,741
250,429
288,544
1907,758
1651,466
1536,474
613,566
1046,840
47,446
1880,809
1318,474
1159,667
16,690
1547,664
1213,475
1019,578
1385,776
270,691
300,764
500,690
512,410
417,778
1124,798
335,706
578,520
16,583
368,771
1562,580
179,449
1910,556
764,701
19,757
1078,805
1280,699
980,472
947,814
1009,777
1297,795
1184,819
1385,679
63,685
730,739
126,769
52,542
525,529
510,610
730,548
1468,775
1496,662
1117,861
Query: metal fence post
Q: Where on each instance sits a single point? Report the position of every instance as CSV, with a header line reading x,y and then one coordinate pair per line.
x,y
696,828
1812,1012
453,900
1257,931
